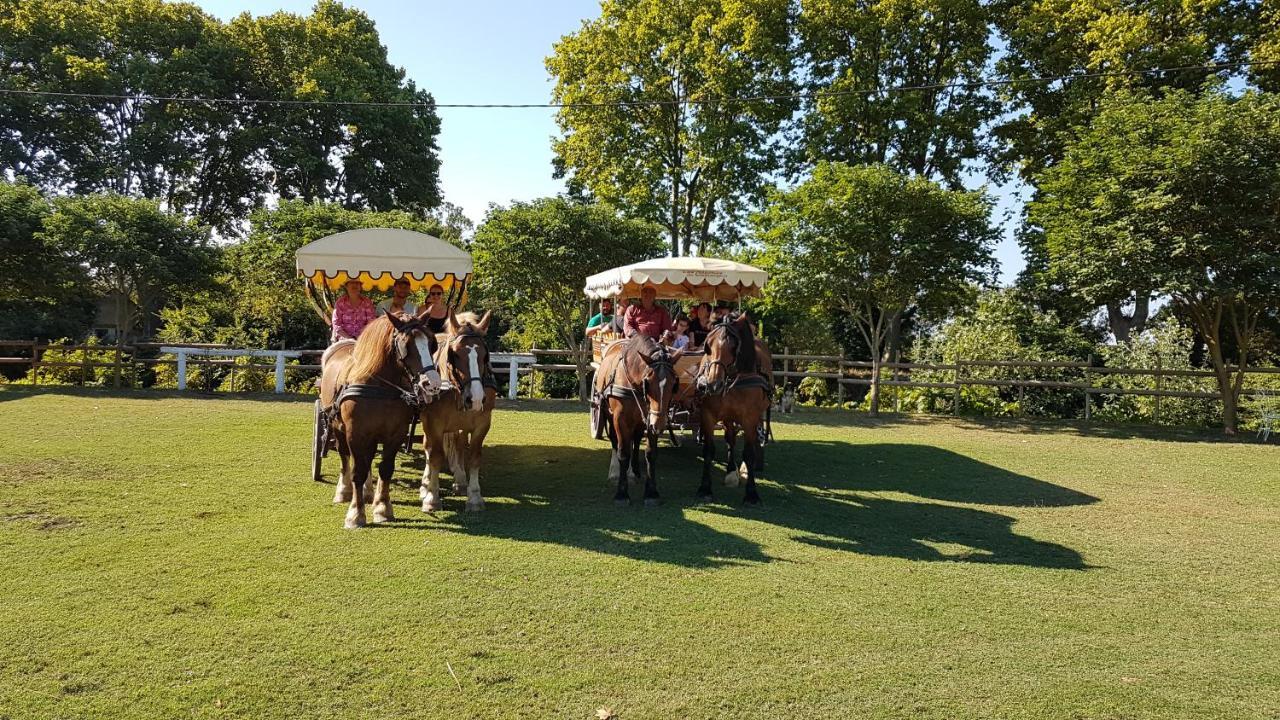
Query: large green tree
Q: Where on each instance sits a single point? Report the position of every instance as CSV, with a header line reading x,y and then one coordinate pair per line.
x,y
1184,192
873,242
856,53
532,257
213,161
134,250
1104,41
650,123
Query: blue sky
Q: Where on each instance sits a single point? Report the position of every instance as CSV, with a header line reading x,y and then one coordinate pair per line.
x,y
489,51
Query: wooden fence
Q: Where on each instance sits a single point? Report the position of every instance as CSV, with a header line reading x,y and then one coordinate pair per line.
x,y
1088,379
122,360
793,367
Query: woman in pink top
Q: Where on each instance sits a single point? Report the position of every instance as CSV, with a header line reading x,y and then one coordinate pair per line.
x,y
351,313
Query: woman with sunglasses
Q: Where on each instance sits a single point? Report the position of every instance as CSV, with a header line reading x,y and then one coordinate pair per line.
x,y
435,310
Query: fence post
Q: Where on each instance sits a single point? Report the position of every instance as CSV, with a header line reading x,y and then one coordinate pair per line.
x,y
116,380
1088,394
84,365
513,376
35,360
182,370
279,372
955,394
1159,387
840,379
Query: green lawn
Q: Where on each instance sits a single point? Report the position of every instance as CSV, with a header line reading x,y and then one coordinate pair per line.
x,y
166,556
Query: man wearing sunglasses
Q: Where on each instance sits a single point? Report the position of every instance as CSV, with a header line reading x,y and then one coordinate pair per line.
x,y
435,310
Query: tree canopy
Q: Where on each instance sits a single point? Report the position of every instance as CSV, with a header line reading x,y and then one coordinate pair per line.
x,y
1184,192
532,257
674,155
212,161
873,242
854,51
132,248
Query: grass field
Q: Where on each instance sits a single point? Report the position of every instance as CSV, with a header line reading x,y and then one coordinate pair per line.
x,y
166,557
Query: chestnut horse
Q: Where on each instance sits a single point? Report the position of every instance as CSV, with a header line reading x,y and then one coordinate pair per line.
x,y
736,390
635,374
370,390
455,425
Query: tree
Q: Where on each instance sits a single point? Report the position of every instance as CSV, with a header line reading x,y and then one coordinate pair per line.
x,y
872,242
377,158
1183,191
135,250
1107,39
532,257
856,52
213,161
680,150
263,276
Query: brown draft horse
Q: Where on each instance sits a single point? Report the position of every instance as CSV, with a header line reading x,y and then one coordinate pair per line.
x,y
633,374
370,389
455,425
735,390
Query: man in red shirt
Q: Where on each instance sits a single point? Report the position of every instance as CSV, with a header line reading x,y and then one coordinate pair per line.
x,y
647,318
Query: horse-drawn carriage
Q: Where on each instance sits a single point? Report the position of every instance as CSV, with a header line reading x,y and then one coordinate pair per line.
x,y
376,257
683,279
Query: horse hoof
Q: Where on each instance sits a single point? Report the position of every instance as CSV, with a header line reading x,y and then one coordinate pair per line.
x,y
381,516
341,498
353,522
432,505
422,492
622,502
731,479
476,505
652,502
752,499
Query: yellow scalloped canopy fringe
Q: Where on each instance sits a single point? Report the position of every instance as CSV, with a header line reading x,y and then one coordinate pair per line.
x,y
383,282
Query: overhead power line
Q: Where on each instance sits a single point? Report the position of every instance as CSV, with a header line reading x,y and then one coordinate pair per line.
x,y
997,82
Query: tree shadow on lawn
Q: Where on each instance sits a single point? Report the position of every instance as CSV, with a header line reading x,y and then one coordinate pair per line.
x,y
833,418
826,491
830,494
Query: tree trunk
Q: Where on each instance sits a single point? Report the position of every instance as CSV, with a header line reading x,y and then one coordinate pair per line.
x,y
1126,326
873,408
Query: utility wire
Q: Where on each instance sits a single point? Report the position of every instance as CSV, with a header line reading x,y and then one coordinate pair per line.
x,y
644,103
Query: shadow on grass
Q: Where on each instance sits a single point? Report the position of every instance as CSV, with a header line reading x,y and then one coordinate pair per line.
x,y
824,492
826,417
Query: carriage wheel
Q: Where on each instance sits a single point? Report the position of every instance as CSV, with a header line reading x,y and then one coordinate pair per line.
x,y
319,443
597,421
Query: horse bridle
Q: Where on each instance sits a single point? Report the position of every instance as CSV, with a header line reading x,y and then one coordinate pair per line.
x,y
463,385
660,359
730,368
417,395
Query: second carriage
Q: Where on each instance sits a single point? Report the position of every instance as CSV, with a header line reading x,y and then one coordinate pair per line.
x,y
680,279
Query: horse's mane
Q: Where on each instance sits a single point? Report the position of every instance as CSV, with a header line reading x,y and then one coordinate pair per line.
x,y
372,352
746,354
644,345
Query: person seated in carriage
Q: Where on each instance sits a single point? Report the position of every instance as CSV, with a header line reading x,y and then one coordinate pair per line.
x,y
603,320
647,318
435,310
399,302
678,338
351,313
699,324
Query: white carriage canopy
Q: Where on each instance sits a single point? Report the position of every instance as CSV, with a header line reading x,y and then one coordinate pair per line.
x,y
680,278
378,256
